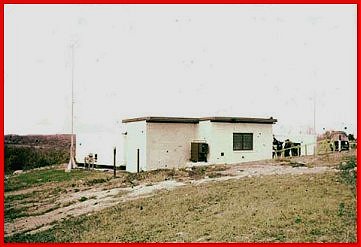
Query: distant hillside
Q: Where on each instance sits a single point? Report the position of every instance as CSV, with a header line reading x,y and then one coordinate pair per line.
x,y
31,151
55,141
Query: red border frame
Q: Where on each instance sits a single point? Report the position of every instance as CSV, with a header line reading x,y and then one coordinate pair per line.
x,y
180,2
2,172
173,2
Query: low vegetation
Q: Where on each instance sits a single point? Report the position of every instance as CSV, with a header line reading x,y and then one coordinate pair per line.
x,y
34,192
348,172
44,176
279,208
275,208
33,151
25,158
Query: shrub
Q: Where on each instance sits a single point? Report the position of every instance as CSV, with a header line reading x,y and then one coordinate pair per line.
x,y
83,198
197,172
348,172
25,158
96,181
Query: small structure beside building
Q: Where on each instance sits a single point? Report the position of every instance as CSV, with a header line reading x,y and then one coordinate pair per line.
x,y
339,141
334,140
152,143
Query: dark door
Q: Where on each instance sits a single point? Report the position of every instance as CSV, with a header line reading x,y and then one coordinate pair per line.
x,y
194,152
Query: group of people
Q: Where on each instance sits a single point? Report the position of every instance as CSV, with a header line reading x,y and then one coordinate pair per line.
x,y
287,148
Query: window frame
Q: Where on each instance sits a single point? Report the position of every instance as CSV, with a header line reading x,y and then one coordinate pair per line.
x,y
242,145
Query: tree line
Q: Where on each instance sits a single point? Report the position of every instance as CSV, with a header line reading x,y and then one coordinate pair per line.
x,y
28,152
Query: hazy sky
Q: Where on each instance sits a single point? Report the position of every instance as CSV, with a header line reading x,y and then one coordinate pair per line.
x,y
179,60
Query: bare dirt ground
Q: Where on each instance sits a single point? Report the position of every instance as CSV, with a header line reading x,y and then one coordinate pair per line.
x,y
102,196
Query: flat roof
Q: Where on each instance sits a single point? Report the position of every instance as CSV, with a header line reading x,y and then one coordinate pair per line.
x,y
196,120
162,120
239,120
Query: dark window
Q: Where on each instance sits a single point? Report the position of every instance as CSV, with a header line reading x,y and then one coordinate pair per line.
x,y
242,141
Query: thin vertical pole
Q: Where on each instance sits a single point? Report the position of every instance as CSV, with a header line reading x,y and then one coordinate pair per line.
x,y
114,158
71,163
72,96
138,160
72,105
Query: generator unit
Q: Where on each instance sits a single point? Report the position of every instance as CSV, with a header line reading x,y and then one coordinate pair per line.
x,y
199,151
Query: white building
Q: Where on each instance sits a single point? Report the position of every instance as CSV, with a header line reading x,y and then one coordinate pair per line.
x,y
101,145
165,142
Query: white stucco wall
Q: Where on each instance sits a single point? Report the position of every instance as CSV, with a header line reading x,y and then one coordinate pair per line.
x,y
169,144
219,137
136,138
203,131
100,143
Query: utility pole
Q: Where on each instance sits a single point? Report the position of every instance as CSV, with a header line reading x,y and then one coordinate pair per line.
x,y
72,163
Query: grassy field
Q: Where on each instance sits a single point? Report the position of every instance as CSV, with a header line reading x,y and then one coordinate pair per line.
x,y
287,208
42,188
35,192
36,178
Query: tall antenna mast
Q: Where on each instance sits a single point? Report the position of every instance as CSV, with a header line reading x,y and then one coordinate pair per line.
x,y
72,163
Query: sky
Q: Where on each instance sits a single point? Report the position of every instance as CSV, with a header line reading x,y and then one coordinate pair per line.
x,y
291,62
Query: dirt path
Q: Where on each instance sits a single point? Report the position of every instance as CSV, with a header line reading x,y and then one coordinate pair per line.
x,y
98,198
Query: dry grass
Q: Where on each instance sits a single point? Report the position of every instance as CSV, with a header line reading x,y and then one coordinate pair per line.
x,y
302,208
332,159
34,192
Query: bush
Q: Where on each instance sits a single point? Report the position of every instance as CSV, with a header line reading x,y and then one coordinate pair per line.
x,y
25,158
197,172
96,181
348,171
83,199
